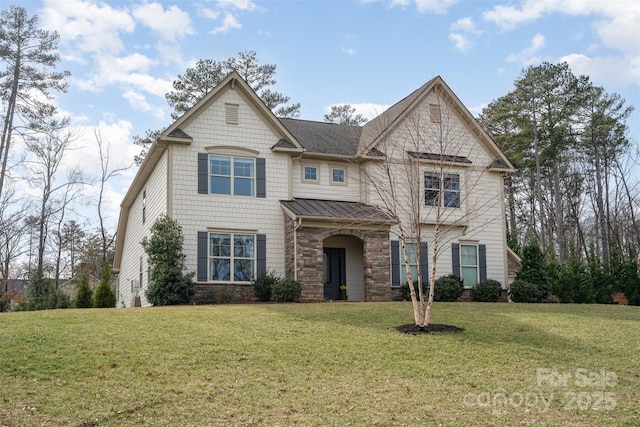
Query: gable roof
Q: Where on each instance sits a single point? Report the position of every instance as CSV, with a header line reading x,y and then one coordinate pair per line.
x,y
377,129
325,138
175,134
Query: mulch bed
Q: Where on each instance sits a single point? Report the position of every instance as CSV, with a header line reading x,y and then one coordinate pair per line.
x,y
433,328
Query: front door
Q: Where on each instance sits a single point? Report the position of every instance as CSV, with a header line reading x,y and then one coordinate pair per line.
x,y
334,272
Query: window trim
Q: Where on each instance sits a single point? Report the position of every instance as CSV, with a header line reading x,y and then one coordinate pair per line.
x,y
232,175
457,193
344,175
232,257
476,265
303,174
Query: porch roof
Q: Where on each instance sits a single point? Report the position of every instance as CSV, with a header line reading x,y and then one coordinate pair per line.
x,y
332,210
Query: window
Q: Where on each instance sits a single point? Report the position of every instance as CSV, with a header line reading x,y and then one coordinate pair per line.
x,y
231,175
310,173
412,253
231,257
469,264
450,187
140,274
337,175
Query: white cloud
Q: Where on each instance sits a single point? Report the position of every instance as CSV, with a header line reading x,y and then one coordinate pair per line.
x,y
616,71
87,26
170,24
349,50
465,25
139,102
425,6
616,26
461,43
246,5
528,56
229,23
460,32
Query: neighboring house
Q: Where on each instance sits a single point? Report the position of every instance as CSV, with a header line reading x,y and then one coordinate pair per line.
x,y
70,287
254,193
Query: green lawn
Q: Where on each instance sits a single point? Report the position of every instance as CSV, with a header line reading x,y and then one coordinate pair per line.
x,y
321,364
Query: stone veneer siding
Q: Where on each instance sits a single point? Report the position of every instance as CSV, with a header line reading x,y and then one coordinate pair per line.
x,y
376,257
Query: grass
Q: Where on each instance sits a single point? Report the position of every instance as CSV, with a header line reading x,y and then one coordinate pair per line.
x,y
321,364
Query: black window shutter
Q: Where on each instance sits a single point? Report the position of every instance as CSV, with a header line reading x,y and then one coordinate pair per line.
x,y
261,254
455,259
261,180
395,263
203,173
482,260
203,256
424,262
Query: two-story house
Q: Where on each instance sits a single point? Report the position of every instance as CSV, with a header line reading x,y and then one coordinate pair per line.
x,y
319,202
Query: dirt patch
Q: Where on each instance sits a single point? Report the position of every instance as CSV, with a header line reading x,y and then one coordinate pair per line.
x,y
433,328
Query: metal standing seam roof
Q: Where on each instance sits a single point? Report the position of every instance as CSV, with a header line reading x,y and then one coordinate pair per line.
x,y
338,210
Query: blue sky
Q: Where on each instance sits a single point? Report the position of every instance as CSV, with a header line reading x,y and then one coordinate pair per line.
x,y
124,54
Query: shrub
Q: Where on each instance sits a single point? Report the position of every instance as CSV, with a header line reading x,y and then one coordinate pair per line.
x,y
263,285
486,291
105,297
286,290
406,293
84,297
167,283
46,297
523,291
448,288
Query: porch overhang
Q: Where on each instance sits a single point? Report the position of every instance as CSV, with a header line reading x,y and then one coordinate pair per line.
x,y
333,211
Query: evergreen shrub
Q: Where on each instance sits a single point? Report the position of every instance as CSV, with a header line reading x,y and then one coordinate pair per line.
x,y
486,291
523,291
286,290
263,285
448,288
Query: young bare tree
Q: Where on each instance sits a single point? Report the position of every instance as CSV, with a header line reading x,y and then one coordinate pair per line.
x,y
12,229
107,172
432,179
48,152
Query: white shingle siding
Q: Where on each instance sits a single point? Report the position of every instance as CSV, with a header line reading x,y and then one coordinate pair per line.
x,y
200,212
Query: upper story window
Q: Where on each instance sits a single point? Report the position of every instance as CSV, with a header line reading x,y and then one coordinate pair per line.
x,y
310,173
450,197
231,175
338,176
144,206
